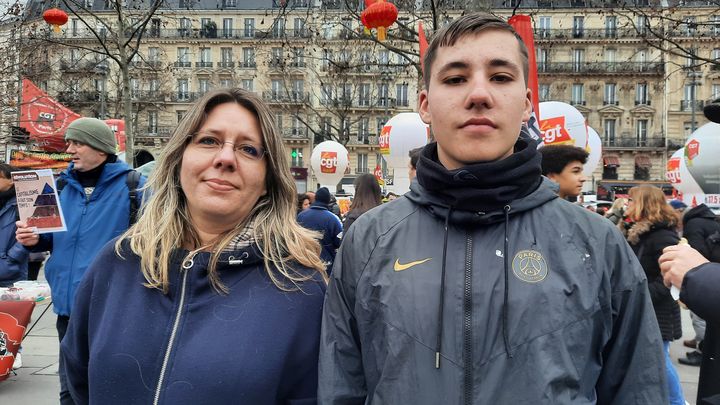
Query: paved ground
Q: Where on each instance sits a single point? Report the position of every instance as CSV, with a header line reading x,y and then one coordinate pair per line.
x,y
37,382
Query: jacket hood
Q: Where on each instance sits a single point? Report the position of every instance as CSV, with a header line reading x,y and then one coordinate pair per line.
x,y
701,211
545,192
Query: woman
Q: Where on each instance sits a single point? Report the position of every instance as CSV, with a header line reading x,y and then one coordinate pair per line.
x,y
617,210
652,228
14,263
215,294
303,202
367,196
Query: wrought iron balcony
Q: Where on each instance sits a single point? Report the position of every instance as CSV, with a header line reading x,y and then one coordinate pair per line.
x,y
179,64
561,34
687,105
203,64
634,142
601,67
295,133
289,97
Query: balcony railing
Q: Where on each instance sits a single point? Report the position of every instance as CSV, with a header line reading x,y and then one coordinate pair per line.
x,y
185,96
226,64
549,34
78,96
362,170
700,31
147,96
643,102
295,133
203,64
82,66
248,65
154,131
179,64
687,105
634,142
285,97
601,67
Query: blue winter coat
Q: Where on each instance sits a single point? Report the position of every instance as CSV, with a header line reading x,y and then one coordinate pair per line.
x,y
13,255
90,225
318,218
255,345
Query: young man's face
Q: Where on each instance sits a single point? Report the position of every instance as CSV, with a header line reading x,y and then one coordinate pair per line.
x,y
571,179
477,99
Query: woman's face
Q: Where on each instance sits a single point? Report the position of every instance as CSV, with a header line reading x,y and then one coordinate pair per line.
x,y
306,204
222,182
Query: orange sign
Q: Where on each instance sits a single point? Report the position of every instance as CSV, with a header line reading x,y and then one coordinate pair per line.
x,y
554,132
384,140
673,171
33,159
328,162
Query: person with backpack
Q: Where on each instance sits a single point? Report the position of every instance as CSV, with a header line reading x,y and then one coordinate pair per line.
x,y
98,202
702,231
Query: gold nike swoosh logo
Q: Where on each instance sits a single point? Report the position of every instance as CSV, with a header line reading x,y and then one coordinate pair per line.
x,y
401,267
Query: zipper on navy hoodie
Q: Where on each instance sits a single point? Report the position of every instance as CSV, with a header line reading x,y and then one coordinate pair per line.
x,y
467,324
184,270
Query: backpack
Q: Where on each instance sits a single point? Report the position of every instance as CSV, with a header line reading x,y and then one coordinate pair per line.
x,y
132,181
713,246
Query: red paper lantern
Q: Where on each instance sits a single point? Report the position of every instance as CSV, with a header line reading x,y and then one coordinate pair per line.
x,y
56,18
380,15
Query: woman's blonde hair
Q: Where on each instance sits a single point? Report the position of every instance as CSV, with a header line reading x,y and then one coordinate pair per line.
x,y
617,206
164,224
649,204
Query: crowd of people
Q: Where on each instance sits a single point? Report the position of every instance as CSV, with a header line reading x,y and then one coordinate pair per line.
x,y
482,284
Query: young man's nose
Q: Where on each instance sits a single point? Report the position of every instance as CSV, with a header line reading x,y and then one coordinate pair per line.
x,y
479,94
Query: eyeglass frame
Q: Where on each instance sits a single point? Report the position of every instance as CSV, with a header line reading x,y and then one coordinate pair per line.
x,y
235,146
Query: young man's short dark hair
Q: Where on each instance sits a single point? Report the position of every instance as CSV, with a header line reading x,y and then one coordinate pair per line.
x,y
556,157
414,156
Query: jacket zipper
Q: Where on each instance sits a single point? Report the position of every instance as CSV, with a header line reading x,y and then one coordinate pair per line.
x,y
69,301
186,266
467,324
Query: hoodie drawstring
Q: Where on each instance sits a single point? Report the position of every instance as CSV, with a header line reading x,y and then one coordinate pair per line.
x,y
506,339
442,290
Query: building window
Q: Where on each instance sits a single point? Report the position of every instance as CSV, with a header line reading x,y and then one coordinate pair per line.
x,y
326,59
326,94
183,89
344,92
154,54
363,130
298,87
249,57
610,26
226,56
299,27
578,60
297,157
544,24
179,114
362,163
641,132
152,122
383,95
364,94
379,124
203,85
401,92
278,28
641,94
298,57
74,24
544,90
227,27
578,94
205,57
275,89
689,26
642,23
249,30
610,55
578,26
690,97
279,120
715,91
183,57
384,57
276,57
609,126
610,94
542,59
154,87
226,83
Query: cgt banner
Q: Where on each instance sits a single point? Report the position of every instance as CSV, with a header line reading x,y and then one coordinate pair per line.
x,y
44,117
14,317
37,159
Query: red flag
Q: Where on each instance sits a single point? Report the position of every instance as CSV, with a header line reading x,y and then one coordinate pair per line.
x,y
523,26
423,46
44,118
379,175
14,317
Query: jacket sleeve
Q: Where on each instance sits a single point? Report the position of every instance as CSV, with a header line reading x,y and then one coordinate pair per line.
x,y
74,348
15,263
701,291
337,232
694,234
342,380
633,365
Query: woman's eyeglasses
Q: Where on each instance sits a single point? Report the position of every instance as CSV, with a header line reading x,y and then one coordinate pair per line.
x,y
213,144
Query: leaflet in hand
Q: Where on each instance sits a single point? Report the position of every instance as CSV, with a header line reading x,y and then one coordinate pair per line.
x,y
37,200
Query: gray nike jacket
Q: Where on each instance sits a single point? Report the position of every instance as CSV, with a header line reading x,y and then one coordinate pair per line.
x,y
540,303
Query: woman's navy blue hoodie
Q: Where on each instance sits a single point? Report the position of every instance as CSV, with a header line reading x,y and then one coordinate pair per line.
x,y
129,344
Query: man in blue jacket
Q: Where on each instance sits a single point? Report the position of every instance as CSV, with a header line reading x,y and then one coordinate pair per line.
x,y
319,218
96,206
14,263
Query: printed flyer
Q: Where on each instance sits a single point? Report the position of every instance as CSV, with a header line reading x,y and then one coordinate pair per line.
x,y
38,201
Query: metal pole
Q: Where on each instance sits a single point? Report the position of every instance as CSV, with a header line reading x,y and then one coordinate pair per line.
x,y
692,102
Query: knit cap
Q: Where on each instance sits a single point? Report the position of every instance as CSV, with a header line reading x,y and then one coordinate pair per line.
x,y
92,132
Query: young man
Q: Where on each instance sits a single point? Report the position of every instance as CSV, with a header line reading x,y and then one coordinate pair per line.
x,y
96,206
320,218
563,164
481,286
